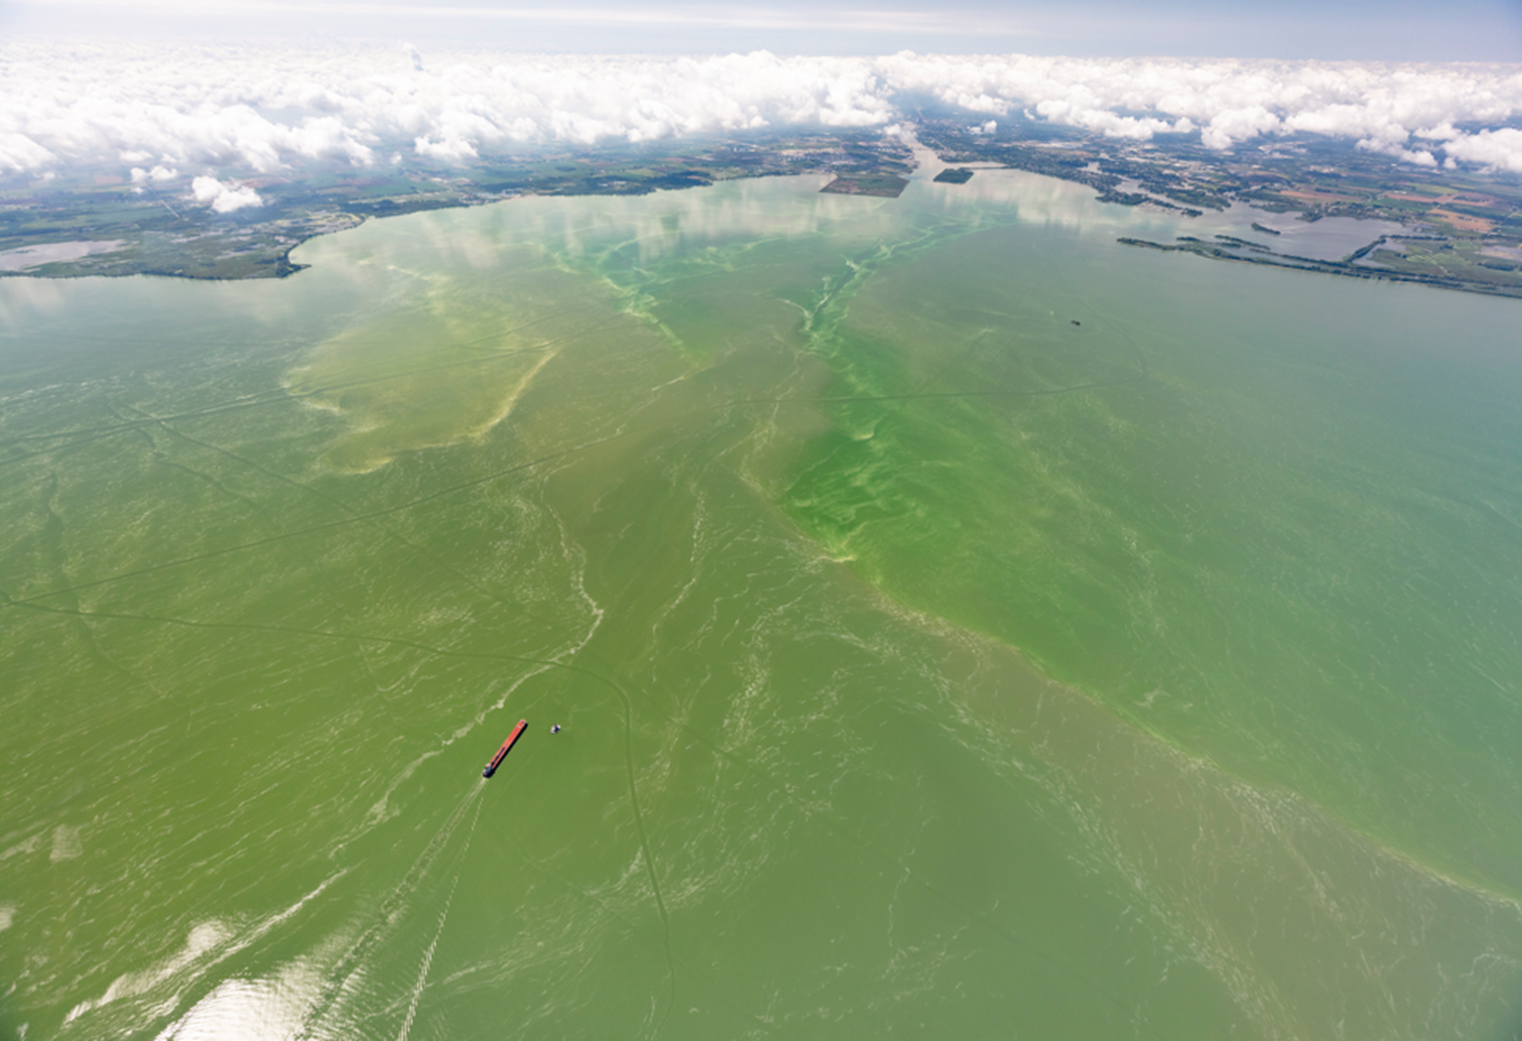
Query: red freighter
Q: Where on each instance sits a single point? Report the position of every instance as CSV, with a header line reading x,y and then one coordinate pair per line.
x,y
507,746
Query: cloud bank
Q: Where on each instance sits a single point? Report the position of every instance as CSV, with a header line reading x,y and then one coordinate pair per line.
x,y
209,110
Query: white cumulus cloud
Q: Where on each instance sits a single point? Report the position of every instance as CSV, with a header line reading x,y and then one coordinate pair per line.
x,y
222,197
158,173
1227,101
1499,148
265,110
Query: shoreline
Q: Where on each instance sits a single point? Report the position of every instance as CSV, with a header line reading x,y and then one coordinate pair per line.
x,y
237,248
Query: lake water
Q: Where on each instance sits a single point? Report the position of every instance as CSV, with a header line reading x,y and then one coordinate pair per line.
x,y
960,625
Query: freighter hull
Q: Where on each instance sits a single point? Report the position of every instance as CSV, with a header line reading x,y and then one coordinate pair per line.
x,y
507,746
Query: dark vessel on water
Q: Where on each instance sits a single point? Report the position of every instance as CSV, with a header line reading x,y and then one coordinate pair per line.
x,y
507,746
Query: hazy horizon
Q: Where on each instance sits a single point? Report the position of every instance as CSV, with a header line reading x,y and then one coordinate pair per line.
x,y
1477,30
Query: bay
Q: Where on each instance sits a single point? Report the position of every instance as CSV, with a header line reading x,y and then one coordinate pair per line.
x,y
959,623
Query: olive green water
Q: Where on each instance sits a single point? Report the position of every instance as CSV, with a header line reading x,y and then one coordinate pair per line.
x,y
929,665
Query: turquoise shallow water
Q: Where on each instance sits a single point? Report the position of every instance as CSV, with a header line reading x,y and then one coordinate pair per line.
x,y
961,625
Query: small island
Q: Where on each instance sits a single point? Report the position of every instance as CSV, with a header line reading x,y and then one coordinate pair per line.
x,y
959,175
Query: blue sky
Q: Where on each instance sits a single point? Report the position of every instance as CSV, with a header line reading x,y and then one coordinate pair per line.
x,y
1398,30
